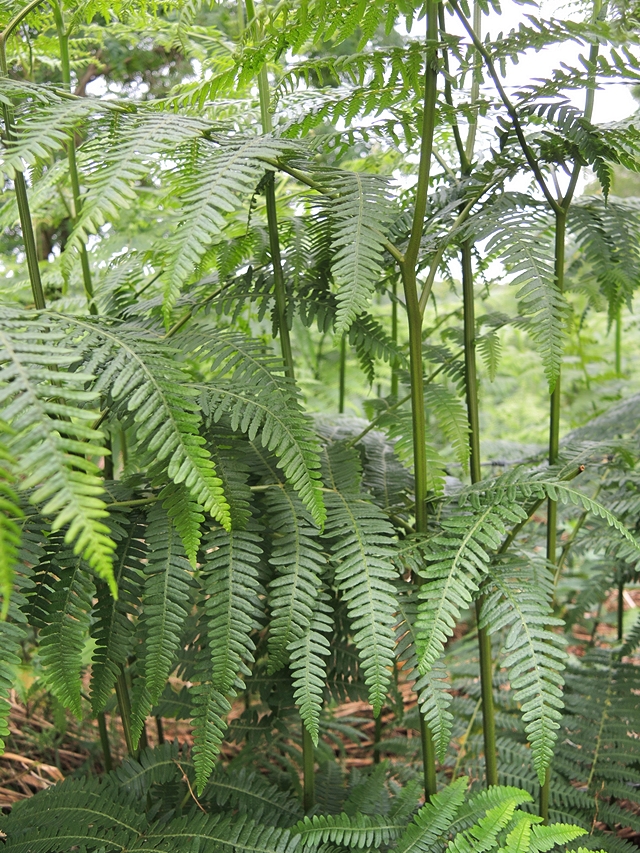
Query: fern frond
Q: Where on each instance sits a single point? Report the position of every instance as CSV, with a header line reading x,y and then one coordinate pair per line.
x,y
483,835
455,561
43,402
534,654
452,417
359,209
250,390
114,626
432,823
299,563
210,709
237,834
166,601
66,626
10,514
146,385
362,554
307,656
351,831
250,793
233,609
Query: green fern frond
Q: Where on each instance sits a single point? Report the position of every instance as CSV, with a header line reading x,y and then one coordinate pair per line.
x,y
632,640
250,793
359,209
66,626
166,601
362,552
452,417
299,563
351,831
432,823
432,689
250,390
534,654
44,404
483,835
237,833
233,609
221,179
307,656
113,628
145,385
455,561
210,709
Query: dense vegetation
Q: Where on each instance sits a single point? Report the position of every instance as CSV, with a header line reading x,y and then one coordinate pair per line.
x,y
275,435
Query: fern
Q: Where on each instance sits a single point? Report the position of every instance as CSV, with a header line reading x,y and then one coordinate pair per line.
x,y
114,626
307,655
299,563
53,437
10,514
233,608
456,560
362,552
249,389
354,832
517,603
358,209
432,823
166,601
452,418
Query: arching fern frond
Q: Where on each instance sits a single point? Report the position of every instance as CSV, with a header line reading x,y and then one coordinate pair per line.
x,y
432,823
351,831
53,442
455,561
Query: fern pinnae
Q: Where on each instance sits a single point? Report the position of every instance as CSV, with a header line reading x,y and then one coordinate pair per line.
x,y
362,555
308,655
231,584
299,563
434,819
44,403
10,531
166,601
534,653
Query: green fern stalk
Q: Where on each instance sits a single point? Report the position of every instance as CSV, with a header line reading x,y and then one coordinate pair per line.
x,y
620,613
414,318
20,185
619,342
308,771
471,384
343,373
63,42
124,704
104,742
272,215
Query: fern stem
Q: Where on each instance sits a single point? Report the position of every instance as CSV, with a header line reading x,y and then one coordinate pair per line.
x,y
308,771
554,445
63,42
124,705
620,609
471,385
343,371
619,342
377,734
159,729
272,213
394,338
104,741
22,197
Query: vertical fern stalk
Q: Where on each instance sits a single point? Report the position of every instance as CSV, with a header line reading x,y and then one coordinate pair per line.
x,y
20,184
63,42
343,373
414,319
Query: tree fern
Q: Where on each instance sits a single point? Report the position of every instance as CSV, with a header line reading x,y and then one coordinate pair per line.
x,y
53,437
518,603
298,561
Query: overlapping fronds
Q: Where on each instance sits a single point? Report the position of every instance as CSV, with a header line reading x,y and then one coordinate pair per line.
x,y
48,409
249,389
